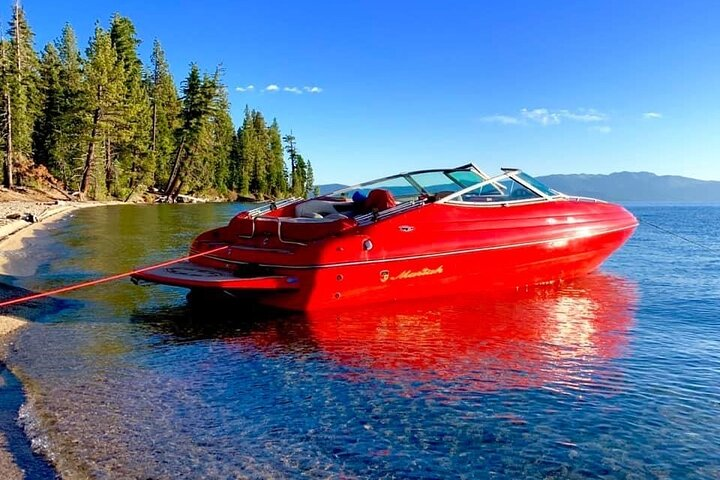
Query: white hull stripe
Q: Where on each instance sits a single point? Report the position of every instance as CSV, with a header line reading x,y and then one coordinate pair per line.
x,y
428,255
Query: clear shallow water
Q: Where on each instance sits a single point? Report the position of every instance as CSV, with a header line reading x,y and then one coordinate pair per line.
x,y
613,376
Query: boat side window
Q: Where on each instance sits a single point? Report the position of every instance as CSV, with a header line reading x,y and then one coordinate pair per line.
x,y
538,185
437,182
466,178
516,191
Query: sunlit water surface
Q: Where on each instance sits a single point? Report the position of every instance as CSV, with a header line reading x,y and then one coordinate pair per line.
x,y
616,375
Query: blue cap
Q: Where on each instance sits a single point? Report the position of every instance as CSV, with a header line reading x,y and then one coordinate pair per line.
x,y
358,197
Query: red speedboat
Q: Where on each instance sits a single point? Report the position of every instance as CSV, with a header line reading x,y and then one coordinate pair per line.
x,y
411,235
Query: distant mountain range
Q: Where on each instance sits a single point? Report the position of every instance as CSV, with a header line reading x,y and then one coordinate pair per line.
x,y
636,186
623,187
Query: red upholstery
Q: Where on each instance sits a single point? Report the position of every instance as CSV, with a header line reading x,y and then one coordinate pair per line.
x,y
380,200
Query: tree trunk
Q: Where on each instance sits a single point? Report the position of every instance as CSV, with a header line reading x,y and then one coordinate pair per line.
x,y
90,158
8,167
8,164
19,84
176,190
109,166
176,168
154,127
132,181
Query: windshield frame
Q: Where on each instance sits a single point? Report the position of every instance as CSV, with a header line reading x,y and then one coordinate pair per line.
x,y
541,191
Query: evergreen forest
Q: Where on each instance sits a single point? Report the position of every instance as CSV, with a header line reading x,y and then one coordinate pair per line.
x,y
105,124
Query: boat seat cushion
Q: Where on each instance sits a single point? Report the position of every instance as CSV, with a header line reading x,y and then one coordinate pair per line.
x,y
318,219
379,200
318,208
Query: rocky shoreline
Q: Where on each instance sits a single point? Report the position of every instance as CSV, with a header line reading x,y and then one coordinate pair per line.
x,y
16,215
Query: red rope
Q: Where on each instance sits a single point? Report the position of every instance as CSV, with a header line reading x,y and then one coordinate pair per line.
x,y
104,280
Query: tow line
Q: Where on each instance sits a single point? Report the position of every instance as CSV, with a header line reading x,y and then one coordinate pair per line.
x,y
90,283
670,232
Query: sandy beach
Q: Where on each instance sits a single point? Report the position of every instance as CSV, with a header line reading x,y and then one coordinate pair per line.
x,y
34,217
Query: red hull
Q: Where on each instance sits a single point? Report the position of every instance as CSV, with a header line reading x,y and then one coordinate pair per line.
x,y
429,249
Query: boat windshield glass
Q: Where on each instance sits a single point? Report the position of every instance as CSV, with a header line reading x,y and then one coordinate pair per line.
x,y
513,185
537,184
436,182
399,186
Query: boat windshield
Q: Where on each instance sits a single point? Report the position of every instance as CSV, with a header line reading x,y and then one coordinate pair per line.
x,y
462,184
408,186
398,185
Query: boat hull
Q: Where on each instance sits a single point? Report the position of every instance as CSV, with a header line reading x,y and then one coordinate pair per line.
x,y
469,270
502,267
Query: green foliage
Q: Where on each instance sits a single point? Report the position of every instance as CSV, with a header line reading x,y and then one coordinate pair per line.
x,y
68,143
301,173
105,92
165,114
22,101
277,173
25,72
258,167
106,125
223,137
194,164
44,135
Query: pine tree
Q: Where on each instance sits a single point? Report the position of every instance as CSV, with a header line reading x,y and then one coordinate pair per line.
x,y
300,178
309,180
105,90
223,134
131,162
69,144
199,97
259,154
24,102
276,166
165,114
244,153
291,150
45,133
234,179
8,163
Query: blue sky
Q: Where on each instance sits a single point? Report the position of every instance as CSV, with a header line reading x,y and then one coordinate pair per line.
x,y
547,86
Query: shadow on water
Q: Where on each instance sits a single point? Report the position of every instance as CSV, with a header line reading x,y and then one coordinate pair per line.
x,y
554,334
33,310
11,392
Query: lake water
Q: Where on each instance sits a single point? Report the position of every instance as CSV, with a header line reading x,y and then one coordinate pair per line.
x,y
616,375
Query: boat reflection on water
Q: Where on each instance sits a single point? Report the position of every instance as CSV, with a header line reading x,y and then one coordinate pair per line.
x,y
562,335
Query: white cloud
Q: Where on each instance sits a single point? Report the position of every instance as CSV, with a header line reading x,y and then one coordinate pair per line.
x,y
273,87
600,129
546,117
501,119
584,115
543,116
652,115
